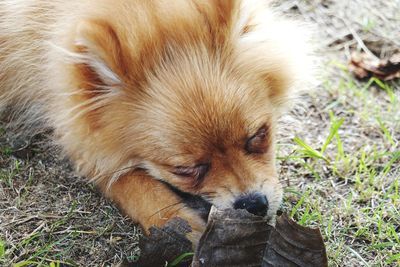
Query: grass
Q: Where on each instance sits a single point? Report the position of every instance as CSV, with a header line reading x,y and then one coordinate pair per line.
x,y
41,249
2,249
49,217
348,182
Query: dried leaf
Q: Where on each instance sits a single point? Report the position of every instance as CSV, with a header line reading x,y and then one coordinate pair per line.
x,y
232,238
291,244
364,66
237,238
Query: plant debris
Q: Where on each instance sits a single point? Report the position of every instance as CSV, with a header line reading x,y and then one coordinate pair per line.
x,y
233,238
363,66
164,245
236,238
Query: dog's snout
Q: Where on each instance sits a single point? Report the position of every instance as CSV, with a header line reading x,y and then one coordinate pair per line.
x,y
254,203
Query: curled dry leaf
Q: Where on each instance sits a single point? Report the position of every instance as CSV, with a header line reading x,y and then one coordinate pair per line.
x,y
363,66
232,238
291,244
237,238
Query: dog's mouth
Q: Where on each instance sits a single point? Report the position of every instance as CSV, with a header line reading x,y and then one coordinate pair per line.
x,y
202,206
195,202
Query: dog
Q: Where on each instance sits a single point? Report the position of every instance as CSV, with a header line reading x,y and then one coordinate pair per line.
x,y
169,107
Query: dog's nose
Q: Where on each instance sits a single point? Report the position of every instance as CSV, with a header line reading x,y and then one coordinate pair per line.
x,y
255,203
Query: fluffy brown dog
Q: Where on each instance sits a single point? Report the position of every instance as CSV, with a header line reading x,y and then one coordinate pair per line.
x,y
169,106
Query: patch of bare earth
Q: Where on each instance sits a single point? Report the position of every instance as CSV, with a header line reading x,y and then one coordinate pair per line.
x,y
340,150
48,214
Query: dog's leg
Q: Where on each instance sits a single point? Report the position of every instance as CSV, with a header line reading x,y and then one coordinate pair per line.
x,y
151,203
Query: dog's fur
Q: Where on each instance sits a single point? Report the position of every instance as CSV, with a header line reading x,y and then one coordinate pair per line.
x,y
137,90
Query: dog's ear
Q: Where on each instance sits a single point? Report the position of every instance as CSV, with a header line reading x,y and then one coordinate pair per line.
x,y
220,16
225,11
279,84
100,56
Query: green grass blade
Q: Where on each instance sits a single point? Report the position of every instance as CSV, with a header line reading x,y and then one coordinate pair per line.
x,y
299,203
180,258
2,249
25,263
308,150
395,257
395,158
333,131
386,132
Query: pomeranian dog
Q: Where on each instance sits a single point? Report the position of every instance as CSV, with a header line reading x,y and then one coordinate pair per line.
x,y
168,106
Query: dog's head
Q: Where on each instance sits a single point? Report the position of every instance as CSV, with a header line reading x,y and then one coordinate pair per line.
x,y
191,92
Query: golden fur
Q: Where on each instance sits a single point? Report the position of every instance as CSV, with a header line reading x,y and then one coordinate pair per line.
x,y
135,88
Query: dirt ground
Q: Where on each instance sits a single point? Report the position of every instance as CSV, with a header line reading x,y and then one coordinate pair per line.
x,y
338,152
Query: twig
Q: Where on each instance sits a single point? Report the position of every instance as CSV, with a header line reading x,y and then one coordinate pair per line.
x,y
360,42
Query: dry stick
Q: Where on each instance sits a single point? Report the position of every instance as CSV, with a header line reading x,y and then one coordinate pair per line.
x,y
357,38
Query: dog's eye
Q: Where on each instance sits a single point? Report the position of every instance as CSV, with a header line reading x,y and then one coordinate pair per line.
x,y
258,143
197,172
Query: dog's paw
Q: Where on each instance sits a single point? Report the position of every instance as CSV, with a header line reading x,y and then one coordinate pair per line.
x,y
196,223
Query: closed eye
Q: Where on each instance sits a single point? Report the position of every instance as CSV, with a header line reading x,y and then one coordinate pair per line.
x,y
197,172
259,142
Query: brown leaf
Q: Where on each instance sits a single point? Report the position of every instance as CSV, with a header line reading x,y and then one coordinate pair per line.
x,y
232,238
364,66
236,238
291,244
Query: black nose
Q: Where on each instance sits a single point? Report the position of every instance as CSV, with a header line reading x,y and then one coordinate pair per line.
x,y
254,203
